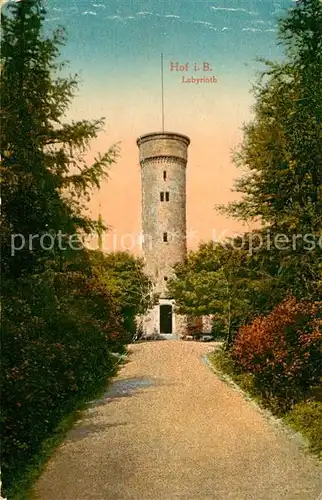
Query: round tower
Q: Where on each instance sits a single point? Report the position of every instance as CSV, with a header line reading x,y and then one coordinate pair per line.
x,y
163,160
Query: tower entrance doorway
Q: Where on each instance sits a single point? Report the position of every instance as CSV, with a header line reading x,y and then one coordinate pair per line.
x,y
165,318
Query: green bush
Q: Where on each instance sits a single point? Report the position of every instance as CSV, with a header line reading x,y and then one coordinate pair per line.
x,y
219,328
223,362
58,333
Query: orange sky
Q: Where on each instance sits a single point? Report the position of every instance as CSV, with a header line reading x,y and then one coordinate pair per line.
x,y
212,118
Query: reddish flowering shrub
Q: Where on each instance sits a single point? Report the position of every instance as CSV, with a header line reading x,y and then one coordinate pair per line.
x,y
283,350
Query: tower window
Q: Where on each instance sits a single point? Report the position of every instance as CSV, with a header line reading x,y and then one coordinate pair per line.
x,y
164,175
165,237
167,196
161,196
166,278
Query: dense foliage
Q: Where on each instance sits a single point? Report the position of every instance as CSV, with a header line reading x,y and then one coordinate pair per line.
x,y
58,333
227,282
283,350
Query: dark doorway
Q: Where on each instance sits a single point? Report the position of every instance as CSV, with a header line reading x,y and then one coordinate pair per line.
x,y
165,319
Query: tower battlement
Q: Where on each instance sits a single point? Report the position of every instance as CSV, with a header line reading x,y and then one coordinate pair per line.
x,y
163,144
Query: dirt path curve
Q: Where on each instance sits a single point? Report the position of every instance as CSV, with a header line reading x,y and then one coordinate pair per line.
x,y
169,428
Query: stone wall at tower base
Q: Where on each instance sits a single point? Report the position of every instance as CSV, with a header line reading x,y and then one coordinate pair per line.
x,y
150,327
149,324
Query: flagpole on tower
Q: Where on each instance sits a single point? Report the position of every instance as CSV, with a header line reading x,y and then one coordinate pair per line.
x,y
162,94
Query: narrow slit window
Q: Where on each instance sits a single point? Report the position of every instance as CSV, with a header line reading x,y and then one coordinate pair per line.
x,y
161,196
167,196
165,237
164,175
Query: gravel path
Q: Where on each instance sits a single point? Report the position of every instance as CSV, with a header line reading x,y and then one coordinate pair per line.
x,y
169,428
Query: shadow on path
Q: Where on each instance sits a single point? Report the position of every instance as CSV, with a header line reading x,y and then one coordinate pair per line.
x,y
122,389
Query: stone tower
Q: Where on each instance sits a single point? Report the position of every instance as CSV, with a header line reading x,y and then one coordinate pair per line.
x,y
163,160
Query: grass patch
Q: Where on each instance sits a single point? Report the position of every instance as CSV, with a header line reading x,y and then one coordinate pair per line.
x,y
23,487
305,417
222,362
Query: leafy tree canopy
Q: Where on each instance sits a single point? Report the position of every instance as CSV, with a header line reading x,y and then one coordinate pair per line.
x,y
124,276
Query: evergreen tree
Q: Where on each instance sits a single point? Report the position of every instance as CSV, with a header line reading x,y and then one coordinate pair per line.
x,y
282,146
282,151
45,179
